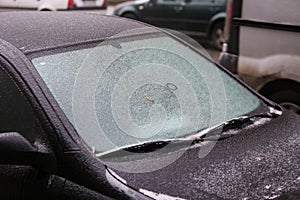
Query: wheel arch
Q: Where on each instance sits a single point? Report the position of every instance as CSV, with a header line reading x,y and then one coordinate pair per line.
x,y
46,7
277,84
214,20
130,12
125,10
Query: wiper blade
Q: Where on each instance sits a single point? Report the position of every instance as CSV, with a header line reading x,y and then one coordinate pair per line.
x,y
221,131
147,147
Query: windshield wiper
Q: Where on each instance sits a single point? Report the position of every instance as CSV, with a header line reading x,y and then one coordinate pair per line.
x,y
231,127
221,131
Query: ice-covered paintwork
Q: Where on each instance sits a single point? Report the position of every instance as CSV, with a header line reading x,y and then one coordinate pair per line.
x,y
259,162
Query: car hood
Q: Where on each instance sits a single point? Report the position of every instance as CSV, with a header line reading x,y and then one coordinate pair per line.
x,y
262,162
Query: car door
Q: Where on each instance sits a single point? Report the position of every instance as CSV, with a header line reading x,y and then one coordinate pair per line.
x,y
21,127
165,13
7,3
29,3
16,114
197,14
89,3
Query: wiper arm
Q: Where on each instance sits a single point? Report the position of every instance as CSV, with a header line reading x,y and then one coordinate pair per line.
x,y
230,127
221,131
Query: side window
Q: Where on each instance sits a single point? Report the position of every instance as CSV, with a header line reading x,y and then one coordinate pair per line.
x,y
16,114
169,1
202,2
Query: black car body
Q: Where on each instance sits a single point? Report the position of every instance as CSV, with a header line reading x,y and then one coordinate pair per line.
x,y
43,155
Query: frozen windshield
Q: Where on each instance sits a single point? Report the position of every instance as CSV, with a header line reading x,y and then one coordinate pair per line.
x,y
141,86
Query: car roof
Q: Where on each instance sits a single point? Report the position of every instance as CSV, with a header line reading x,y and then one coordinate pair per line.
x,y
34,31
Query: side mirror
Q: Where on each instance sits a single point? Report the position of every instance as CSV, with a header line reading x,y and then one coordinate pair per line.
x,y
15,149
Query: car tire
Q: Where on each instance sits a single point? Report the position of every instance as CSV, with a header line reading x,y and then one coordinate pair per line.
x,y
286,95
217,35
130,16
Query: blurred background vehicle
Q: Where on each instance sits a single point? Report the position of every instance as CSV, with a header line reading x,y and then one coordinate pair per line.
x,y
204,18
108,8
52,5
262,45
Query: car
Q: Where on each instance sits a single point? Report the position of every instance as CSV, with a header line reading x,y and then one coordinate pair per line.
x,y
197,18
260,46
52,5
118,109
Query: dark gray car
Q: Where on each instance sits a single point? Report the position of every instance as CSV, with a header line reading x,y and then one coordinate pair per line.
x,y
192,17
